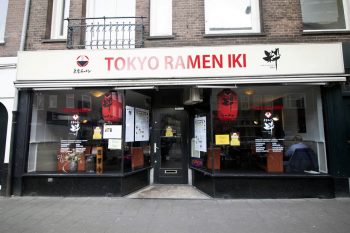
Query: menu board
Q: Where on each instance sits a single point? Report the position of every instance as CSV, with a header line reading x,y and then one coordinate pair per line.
x,y
141,124
200,133
261,145
77,145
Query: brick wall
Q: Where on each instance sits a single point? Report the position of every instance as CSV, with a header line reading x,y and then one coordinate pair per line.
x,y
13,28
281,23
37,34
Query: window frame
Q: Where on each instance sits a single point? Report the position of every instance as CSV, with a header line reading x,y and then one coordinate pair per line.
x,y
346,12
256,24
3,16
59,26
156,14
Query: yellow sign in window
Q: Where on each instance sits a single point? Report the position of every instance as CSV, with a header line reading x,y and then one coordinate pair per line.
x,y
169,132
235,141
222,139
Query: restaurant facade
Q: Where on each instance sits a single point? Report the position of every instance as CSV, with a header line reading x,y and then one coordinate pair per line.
x,y
220,118
110,98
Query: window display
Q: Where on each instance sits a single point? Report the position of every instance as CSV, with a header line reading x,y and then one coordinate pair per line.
x,y
253,127
76,131
82,131
245,129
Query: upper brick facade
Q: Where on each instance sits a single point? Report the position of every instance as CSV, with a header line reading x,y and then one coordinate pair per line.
x,y
281,23
13,28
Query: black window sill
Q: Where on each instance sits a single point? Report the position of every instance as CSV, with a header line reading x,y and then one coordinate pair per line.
x,y
233,35
53,41
259,174
341,32
161,37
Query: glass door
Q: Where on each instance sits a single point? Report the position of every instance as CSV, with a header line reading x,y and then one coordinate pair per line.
x,y
170,146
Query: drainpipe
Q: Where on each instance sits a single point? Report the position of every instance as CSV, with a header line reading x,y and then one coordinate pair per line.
x,y
25,25
14,112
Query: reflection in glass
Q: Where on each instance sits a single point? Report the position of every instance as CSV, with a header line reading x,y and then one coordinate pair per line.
x,y
171,152
267,121
323,14
67,133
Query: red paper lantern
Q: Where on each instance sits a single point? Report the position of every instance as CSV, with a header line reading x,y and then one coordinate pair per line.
x,y
112,106
227,105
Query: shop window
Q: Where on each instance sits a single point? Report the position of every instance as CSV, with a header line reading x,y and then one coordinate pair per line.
x,y
137,151
76,131
161,18
325,15
3,14
60,12
259,130
232,16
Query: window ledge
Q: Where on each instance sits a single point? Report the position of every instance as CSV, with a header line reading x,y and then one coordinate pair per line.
x,y
160,37
84,174
76,174
233,35
325,32
260,174
2,42
53,40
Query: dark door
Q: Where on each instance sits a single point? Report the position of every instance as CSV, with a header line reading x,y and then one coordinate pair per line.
x,y
3,131
170,146
347,124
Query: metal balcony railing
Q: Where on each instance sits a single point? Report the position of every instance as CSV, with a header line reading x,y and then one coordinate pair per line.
x,y
105,33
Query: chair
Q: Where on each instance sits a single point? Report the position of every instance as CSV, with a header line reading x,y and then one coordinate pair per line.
x,y
137,159
213,160
302,160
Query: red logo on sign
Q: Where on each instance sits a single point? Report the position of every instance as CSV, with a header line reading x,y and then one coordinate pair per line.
x,y
82,60
268,114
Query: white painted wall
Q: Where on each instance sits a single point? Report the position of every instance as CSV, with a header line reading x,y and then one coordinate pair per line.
x,y
7,77
7,94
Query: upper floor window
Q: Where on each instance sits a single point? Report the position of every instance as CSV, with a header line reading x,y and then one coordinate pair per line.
x,y
60,11
111,24
161,18
3,13
232,16
110,8
325,15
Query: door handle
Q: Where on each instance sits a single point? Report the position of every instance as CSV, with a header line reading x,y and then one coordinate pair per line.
x,y
155,148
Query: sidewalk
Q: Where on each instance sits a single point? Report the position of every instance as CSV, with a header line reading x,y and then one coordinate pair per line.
x,y
99,215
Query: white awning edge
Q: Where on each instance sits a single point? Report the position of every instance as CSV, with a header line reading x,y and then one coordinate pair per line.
x,y
178,82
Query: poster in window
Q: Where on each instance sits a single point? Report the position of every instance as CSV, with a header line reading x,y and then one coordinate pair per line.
x,y
114,144
52,101
141,124
40,101
112,131
69,100
97,133
129,123
222,139
235,140
200,133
